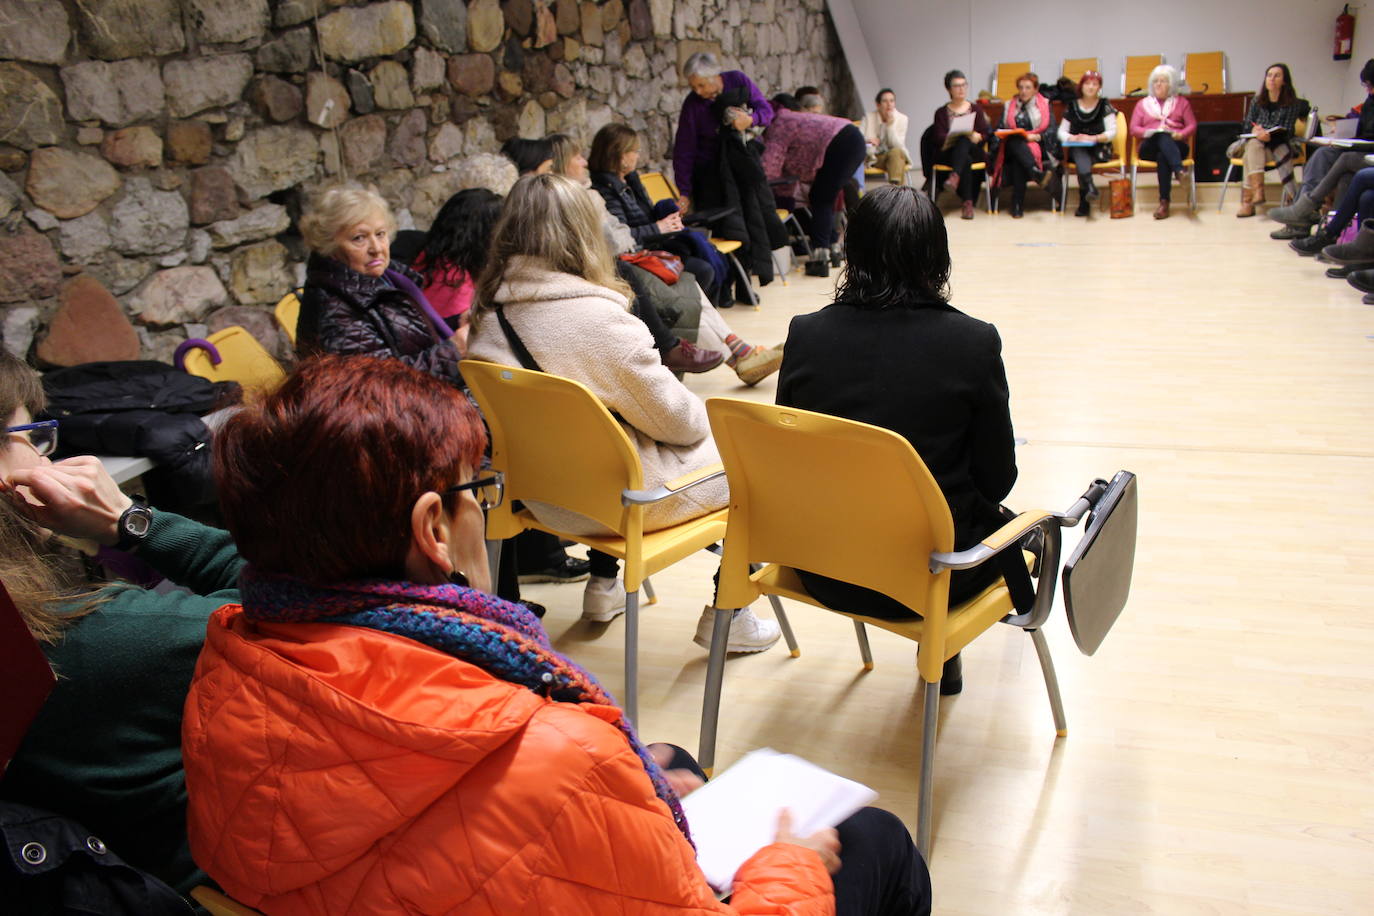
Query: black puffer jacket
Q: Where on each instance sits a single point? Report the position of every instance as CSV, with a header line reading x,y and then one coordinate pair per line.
x,y
345,312
628,202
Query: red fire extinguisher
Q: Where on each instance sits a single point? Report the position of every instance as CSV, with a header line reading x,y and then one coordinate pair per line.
x,y
1345,34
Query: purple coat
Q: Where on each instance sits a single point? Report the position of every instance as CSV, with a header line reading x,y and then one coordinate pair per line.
x,y
698,137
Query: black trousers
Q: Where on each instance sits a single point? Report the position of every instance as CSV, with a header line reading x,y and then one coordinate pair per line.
x,y
881,871
1019,165
960,158
1084,158
843,157
643,309
1168,154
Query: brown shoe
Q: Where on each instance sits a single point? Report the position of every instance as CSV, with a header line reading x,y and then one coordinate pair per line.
x,y
952,182
967,211
1162,211
687,357
758,364
1250,194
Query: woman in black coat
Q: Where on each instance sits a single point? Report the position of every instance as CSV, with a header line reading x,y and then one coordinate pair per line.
x,y
356,300
892,352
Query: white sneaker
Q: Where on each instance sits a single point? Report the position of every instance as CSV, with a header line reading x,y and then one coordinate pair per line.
x,y
747,632
603,599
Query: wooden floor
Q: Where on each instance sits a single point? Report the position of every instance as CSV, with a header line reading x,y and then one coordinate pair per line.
x,y
1220,756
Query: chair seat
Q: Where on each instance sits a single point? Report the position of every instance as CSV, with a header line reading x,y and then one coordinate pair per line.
x,y
941,167
726,246
661,548
964,624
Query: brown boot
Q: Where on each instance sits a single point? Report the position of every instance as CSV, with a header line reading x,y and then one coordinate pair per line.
x,y
1162,211
1252,194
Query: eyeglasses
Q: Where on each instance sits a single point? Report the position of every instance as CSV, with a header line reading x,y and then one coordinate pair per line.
x,y
488,490
42,436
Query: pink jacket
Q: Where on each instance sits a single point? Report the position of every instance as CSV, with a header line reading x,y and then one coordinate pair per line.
x,y
1174,115
795,143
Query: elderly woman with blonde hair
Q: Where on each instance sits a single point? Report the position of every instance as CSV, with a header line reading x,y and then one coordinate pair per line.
x,y
356,300
1162,122
550,289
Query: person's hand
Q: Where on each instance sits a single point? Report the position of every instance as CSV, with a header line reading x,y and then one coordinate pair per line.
x,y
825,842
886,116
76,497
1260,133
1100,138
1176,135
976,137
670,223
743,120
1034,138
871,142
684,782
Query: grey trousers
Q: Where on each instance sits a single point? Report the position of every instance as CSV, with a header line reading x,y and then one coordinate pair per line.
x,y
1326,167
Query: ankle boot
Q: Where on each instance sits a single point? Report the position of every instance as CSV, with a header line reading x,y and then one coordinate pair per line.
x,y
819,265
1251,193
1313,243
1356,253
1301,212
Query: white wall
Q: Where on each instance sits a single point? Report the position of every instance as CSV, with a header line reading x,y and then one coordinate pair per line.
x,y
909,45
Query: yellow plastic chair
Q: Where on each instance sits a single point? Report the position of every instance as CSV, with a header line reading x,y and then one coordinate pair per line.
x,y
241,359
220,905
855,502
556,443
1004,77
1148,165
1113,166
1135,74
1305,128
288,314
1205,73
658,187
1075,67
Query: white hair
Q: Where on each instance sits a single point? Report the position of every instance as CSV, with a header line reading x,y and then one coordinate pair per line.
x,y
703,64
1169,73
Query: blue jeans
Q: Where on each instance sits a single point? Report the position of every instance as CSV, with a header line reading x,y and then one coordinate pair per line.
x,y
1358,198
1167,154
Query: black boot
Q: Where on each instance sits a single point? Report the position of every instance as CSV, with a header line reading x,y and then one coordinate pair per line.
x,y
1363,280
952,677
1084,207
1314,243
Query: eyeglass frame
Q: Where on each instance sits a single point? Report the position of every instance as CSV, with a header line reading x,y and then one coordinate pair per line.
x,y
38,424
495,478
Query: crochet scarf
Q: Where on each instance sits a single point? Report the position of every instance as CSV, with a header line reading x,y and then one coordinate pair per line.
x,y
500,637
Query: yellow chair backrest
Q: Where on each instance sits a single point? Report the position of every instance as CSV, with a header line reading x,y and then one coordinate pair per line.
x,y
1004,83
556,443
1135,77
1119,141
242,360
657,186
1205,72
218,904
832,496
288,314
1075,67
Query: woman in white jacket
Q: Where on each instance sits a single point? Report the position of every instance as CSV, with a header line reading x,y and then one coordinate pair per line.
x,y
550,273
884,129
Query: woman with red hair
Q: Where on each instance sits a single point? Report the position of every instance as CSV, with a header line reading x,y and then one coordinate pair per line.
x,y
1086,133
1020,157
370,733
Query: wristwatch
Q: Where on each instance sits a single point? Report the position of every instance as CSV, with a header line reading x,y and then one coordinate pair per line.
x,y
134,524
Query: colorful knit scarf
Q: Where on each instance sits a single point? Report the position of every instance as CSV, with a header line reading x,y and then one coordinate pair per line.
x,y
501,638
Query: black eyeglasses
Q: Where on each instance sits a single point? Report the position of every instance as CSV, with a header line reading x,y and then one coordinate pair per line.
x,y
42,435
488,490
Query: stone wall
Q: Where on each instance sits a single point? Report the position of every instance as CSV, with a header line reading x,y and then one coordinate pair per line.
x,y
154,153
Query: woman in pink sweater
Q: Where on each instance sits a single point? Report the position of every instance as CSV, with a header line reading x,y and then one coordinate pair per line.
x,y
1163,122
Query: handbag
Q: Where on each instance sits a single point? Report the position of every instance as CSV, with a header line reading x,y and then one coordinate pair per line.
x,y
1120,191
662,264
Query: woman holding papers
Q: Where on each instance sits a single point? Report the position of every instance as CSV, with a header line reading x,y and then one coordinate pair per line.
x,y
1163,121
1020,157
1086,133
1270,134
370,731
959,134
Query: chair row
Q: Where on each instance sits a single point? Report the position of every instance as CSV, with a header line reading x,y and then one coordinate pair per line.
x,y
1204,71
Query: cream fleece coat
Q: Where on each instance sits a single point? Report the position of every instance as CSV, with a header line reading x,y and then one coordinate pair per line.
x,y
582,331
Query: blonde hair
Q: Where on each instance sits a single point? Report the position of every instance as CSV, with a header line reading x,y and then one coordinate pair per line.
x,y
550,218
564,149
337,207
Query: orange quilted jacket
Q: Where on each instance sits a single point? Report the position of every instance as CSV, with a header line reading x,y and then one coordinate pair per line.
x,y
334,769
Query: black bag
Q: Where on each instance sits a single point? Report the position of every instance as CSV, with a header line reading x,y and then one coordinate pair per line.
x,y
1213,137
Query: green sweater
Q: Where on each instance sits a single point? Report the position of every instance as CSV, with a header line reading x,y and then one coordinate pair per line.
x,y
105,750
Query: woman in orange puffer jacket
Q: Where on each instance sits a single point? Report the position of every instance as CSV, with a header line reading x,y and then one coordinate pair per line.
x,y
363,736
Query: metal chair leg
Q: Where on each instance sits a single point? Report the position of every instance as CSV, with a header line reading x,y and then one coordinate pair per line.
x,y
632,656
1225,183
648,591
931,714
1042,649
744,276
710,700
785,624
864,651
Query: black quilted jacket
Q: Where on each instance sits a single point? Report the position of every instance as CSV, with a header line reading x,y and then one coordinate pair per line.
x,y
345,312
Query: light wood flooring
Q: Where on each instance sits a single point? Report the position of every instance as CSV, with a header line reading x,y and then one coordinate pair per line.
x,y
1220,756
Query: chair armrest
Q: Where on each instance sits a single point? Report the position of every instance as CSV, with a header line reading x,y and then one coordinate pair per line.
x,y
672,487
993,544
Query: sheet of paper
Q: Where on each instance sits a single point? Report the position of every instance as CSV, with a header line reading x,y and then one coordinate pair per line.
x,y
736,814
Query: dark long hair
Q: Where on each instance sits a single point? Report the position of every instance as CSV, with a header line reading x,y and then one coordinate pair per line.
x,y
461,234
897,251
1287,95
527,155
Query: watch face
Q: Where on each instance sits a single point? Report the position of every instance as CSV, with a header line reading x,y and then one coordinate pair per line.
x,y
137,524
